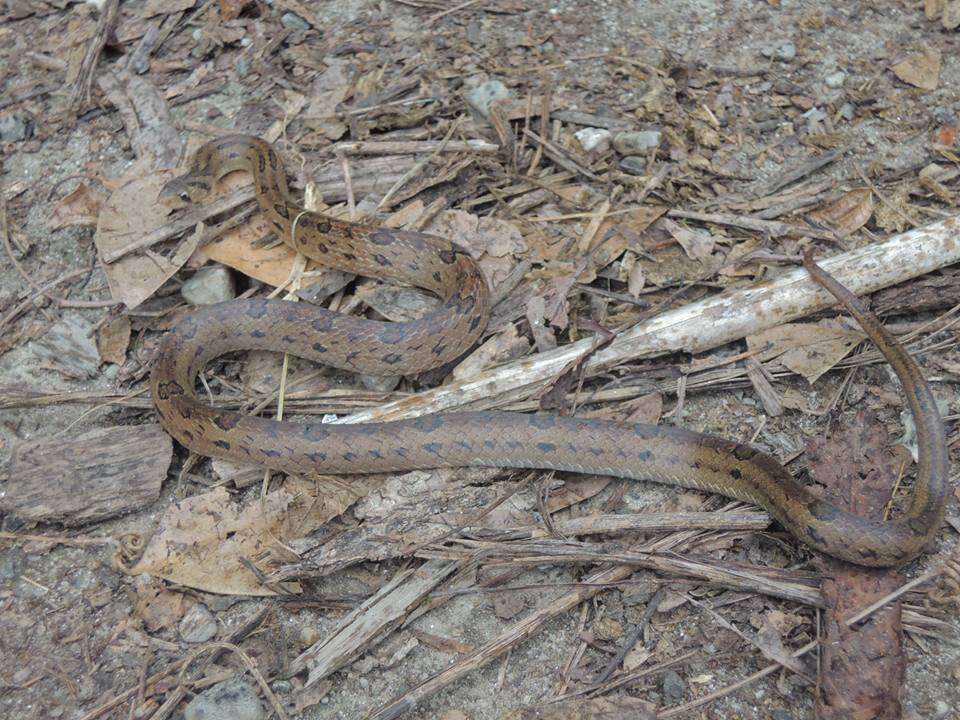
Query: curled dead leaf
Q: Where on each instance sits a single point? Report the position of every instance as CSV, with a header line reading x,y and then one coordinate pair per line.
x,y
848,214
921,69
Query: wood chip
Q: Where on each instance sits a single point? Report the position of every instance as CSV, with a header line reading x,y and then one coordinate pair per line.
x,y
80,479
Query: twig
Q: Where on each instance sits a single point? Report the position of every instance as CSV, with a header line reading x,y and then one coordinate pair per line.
x,y
81,91
682,710
698,326
40,291
418,166
413,147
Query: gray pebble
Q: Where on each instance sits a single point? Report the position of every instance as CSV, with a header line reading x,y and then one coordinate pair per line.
x,y
484,95
848,111
198,625
835,80
636,142
292,21
230,700
634,165
376,383
593,139
16,126
786,52
11,563
673,687
209,285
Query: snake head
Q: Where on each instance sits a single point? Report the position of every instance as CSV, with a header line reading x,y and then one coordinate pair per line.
x,y
183,191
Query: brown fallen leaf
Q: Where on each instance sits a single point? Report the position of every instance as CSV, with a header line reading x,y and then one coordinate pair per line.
x,y
921,69
848,214
809,349
113,339
204,541
131,212
81,207
158,607
697,244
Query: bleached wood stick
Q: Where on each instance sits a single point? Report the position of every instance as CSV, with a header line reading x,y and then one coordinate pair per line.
x,y
698,326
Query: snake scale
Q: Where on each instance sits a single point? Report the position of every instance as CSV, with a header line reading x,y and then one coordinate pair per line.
x,y
497,439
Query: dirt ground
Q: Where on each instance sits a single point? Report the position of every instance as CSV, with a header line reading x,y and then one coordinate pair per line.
x,y
781,80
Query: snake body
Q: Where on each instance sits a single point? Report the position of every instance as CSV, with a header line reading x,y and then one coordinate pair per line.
x,y
497,439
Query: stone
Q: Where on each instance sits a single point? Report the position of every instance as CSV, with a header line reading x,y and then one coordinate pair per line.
x,y
835,80
485,94
673,687
15,127
229,700
198,625
786,52
634,165
593,139
381,383
636,142
292,21
209,285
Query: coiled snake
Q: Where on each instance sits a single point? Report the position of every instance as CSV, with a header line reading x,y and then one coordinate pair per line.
x,y
498,439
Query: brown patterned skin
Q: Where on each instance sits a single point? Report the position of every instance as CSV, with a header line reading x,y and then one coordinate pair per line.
x,y
664,454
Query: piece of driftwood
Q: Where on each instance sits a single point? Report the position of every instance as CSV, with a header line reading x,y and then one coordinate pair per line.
x,y
79,479
373,620
698,326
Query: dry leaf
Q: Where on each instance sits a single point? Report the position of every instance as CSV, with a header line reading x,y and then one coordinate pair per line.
x,y
131,212
933,8
231,9
848,214
202,541
921,69
165,7
81,207
113,339
951,15
697,244
158,607
809,349
479,236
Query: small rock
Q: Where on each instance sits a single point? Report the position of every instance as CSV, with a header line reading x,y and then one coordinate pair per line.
x,y
594,139
848,111
292,21
11,563
634,165
673,687
636,142
230,700
209,285
282,687
781,715
941,709
309,635
484,95
835,80
786,52
16,126
377,383
198,624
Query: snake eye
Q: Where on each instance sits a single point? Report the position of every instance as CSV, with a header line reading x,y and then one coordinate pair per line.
x,y
184,195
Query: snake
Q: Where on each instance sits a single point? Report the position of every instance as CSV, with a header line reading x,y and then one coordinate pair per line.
x,y
665,454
